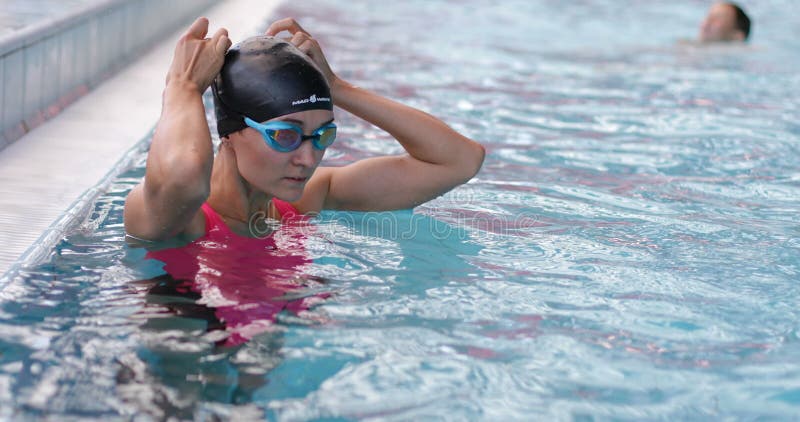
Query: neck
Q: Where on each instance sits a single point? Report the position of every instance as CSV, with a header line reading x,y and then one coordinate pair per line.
x,y
231,196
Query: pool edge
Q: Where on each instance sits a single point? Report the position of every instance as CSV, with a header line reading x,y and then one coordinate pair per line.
x,y
46,198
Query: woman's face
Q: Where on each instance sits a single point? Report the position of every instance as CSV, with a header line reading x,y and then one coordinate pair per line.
x,y
280,174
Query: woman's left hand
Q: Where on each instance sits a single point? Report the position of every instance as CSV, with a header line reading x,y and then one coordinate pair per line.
x,y
304,42
438,158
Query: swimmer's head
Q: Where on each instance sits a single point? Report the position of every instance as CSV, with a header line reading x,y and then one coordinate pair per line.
x,y
264,78
725,22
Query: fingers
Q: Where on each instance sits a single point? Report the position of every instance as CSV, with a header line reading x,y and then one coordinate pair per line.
x,y
199,28
197,59
221,41
303,42
286,24
299,38
223,44
222,32
307,47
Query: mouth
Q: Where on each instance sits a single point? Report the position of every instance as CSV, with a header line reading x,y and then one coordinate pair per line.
x,y
297,179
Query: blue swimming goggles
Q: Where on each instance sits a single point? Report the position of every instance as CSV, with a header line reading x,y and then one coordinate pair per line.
x,y
287,137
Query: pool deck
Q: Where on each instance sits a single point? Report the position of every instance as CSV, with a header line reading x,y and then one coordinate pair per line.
x,y
47,176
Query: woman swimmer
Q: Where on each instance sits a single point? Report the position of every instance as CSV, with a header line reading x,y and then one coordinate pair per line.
x,y
270,97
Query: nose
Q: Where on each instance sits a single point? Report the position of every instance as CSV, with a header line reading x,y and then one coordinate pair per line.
x,y
304,155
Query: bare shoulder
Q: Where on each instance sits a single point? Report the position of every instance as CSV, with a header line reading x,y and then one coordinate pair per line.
x,y
142,223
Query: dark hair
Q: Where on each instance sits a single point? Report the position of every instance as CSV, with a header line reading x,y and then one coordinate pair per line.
x,y
742,21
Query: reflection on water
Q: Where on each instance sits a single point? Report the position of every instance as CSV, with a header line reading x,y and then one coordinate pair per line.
x,y
188,357
629,250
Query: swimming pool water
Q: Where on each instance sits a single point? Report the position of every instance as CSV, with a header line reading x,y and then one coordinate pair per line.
x,y
630,249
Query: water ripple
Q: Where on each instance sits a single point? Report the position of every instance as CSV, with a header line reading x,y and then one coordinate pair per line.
x,y
628,251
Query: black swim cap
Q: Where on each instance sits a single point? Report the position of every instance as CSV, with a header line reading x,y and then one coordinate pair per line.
x,y
263,78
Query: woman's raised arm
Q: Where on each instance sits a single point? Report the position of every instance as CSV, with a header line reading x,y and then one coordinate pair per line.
x,y
176,180
438,159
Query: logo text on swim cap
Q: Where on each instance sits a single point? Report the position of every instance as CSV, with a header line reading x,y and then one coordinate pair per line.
x,y
312,99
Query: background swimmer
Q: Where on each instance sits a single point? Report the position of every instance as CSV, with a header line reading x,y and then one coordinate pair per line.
x,y
725,22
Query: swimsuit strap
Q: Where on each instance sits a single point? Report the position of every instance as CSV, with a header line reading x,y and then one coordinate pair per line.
x,y
285,209
213,220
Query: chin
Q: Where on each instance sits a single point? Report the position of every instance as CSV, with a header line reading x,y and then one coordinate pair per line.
x,y
289,195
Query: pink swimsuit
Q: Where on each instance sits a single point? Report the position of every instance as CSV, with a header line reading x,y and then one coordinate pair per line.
x,y
248,281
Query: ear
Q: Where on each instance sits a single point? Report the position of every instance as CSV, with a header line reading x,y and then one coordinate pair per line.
x,y
226,146
738,35
230,140
226,168
222,141
227,153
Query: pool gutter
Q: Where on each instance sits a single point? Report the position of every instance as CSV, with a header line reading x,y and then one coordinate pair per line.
x,y
47,65
50,175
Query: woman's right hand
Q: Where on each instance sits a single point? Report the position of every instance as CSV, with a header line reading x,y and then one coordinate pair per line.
x,y
197,59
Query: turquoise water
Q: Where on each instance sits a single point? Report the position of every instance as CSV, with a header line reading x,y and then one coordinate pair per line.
x,y
630,249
